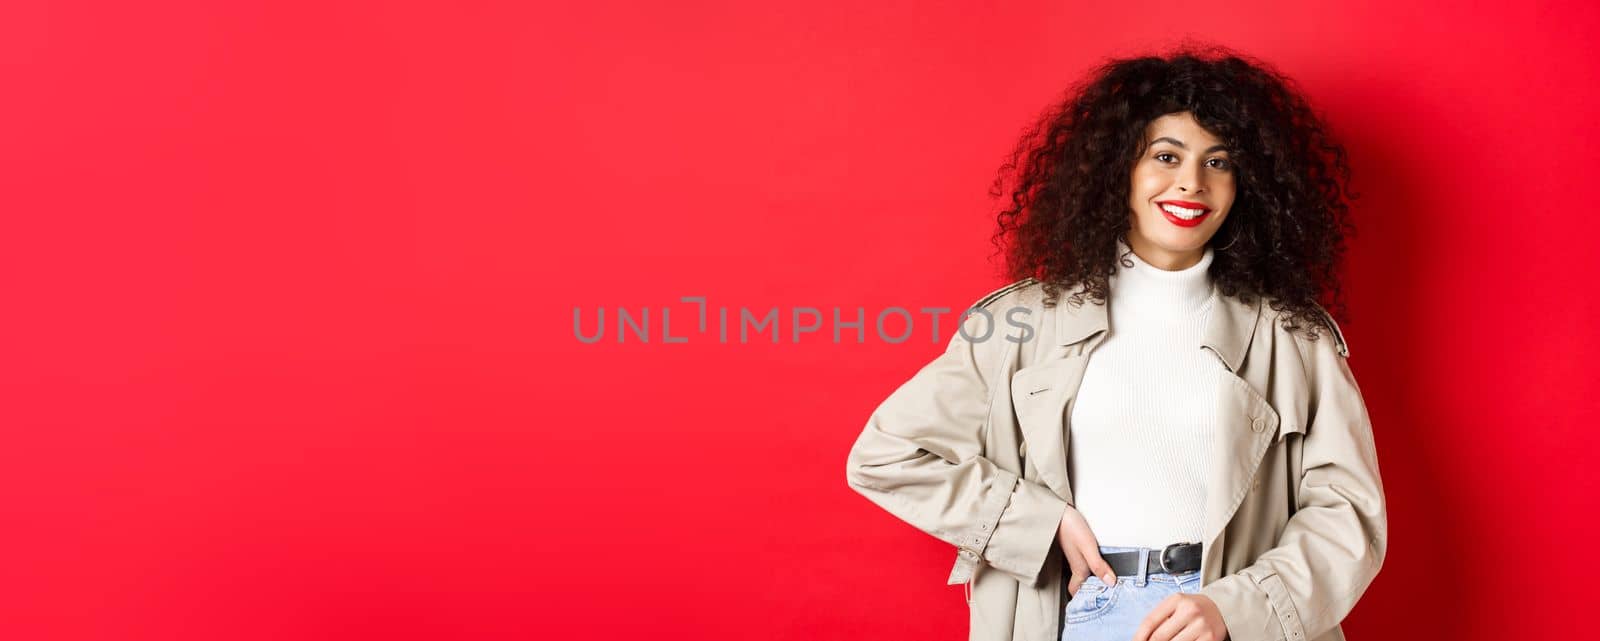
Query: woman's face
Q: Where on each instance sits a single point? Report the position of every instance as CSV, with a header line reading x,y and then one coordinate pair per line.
x,y
1183,169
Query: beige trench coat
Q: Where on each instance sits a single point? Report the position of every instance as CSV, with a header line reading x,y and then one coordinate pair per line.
x,y
973,450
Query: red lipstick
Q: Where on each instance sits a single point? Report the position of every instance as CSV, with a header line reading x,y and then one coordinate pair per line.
x,y
1182,222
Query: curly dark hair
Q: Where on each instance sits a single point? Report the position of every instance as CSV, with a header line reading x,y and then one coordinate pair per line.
x,y
1285,234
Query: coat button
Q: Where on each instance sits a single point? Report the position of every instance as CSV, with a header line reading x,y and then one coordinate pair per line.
x,y
1256,484
1022,450
1258,424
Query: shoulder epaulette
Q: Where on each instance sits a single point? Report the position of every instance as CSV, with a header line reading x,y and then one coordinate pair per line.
x,y
1344,348
996,294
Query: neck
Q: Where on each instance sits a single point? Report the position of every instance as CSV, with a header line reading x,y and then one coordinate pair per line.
x,y
1146,291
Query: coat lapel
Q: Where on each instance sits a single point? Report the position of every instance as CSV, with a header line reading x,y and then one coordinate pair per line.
x,y
1245,424
1042,393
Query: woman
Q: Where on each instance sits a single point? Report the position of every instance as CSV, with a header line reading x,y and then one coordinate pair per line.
x,y
1181,452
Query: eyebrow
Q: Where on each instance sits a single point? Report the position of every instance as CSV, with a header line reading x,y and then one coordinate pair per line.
x,y
1183,146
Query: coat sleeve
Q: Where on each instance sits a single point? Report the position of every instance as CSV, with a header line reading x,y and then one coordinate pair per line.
x,y
921,458
1334,543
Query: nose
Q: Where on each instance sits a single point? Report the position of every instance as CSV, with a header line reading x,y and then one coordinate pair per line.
x,y
1189,180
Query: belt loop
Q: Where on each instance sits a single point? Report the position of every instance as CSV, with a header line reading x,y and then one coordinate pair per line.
x,y
1144,565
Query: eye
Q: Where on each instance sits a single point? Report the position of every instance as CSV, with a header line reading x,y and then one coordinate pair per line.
x,y
1159,156
1225,164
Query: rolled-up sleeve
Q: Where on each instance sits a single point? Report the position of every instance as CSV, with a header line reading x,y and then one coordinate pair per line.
x,y
1333,545
921,458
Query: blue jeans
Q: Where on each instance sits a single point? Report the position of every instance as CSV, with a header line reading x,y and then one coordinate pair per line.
x,y
1100,613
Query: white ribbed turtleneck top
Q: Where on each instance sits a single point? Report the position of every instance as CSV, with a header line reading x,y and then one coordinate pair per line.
x,y
1142,423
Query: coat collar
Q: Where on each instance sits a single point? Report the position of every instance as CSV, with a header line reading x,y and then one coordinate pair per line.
x,y
1228,332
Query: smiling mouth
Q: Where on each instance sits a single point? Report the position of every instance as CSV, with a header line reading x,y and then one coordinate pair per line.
x,y
1183,216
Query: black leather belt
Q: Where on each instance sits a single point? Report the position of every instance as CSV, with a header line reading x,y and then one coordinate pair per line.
x,y
1175,558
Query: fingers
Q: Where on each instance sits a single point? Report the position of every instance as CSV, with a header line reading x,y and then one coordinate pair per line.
x,y
1098,565
1173,619
1171,627
1195,631
1082,551
1078,567
1156,617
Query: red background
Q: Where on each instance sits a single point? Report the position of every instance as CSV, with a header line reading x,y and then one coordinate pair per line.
x,y
288,346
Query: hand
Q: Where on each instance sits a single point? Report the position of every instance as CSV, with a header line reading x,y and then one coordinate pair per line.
x,y
1183,617
1082,550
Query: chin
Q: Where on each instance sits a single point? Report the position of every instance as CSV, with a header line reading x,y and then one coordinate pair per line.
x,y
1183,244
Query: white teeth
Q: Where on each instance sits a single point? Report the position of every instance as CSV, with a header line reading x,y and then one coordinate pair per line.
x,y
1186,214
